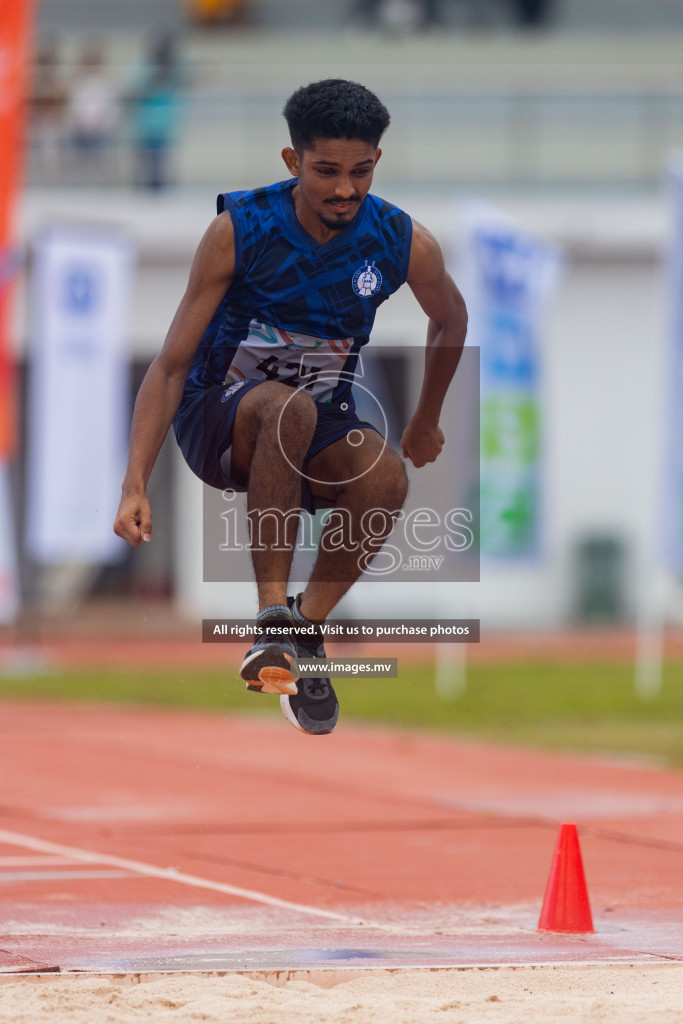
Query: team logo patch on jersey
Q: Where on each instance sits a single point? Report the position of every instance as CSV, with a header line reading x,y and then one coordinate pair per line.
x,y
367,280
232,389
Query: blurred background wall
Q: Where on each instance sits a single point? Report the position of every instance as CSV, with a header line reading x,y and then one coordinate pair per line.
x,y
562,115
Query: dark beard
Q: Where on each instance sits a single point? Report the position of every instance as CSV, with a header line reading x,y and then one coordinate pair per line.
x,y
335,225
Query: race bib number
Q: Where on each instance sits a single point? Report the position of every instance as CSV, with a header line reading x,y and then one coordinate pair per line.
x,y
315,365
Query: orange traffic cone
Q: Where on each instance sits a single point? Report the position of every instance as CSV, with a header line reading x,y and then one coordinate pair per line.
x,y
565,905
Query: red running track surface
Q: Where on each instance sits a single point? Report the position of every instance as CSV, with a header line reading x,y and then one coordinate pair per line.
x,y
135,840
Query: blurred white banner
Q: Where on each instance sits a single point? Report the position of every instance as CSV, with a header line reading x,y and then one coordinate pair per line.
x,y
78,399
673,491
508,277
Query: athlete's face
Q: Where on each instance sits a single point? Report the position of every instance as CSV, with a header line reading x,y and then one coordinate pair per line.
x,y
334,178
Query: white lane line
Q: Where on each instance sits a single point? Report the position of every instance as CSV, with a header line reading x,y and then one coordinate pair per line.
x,y
36,862
7,877
171,875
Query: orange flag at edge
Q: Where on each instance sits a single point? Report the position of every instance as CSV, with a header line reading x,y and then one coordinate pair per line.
x,y
15,22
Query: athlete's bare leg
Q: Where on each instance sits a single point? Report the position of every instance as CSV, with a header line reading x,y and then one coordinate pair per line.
x,y
272,421
346,546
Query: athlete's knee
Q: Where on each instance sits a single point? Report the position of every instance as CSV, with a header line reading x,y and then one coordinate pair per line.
x,y
296,425
284,415
392,480
299,412
385,485
285,406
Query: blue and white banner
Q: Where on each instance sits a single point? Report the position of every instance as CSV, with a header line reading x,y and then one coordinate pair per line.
x,y
78,401
673,489
508,277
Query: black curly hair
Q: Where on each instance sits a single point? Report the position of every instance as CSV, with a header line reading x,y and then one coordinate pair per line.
x,y
334,109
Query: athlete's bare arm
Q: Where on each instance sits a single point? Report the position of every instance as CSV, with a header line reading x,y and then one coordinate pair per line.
x,y
162,388
435,290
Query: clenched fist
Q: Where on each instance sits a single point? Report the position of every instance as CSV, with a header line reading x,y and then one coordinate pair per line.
x,y
134,518
421,443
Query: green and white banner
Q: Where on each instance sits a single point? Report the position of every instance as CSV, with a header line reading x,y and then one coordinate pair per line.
x,y
508,278
9,586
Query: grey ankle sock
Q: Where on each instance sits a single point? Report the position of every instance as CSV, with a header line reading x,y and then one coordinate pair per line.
x,y
299,616
274,611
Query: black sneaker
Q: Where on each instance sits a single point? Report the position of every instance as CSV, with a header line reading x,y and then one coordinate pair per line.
x,y
266,664
314,708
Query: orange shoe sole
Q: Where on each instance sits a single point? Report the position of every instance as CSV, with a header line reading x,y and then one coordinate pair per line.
x,y
276,680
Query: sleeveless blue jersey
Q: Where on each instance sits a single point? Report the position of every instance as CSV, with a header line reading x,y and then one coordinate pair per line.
x,y
298,311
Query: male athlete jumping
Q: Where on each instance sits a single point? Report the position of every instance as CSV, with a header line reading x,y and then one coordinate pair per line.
x,y
257,369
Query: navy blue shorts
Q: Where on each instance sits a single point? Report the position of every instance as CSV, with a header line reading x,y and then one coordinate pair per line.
x,y
203,430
